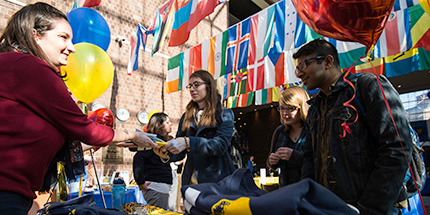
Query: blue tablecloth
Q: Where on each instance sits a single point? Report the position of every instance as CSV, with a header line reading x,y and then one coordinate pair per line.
x,y
130,196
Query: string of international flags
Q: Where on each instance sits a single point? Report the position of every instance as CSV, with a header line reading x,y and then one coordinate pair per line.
x,y
253,59
185,14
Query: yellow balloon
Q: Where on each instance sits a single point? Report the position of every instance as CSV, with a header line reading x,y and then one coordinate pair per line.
x,y
425,4
152,113
89,72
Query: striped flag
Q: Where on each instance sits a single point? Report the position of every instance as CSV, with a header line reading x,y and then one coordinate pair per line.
x,y
245,99
260,43
188,13
205,52
231,101
420,28
220,54
196,61
180,34
185,68
402,63
261,32
396,37
267,96
173,74
211,56
138,37
264,96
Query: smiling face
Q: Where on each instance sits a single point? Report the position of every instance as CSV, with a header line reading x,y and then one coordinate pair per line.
x,y
313,74
57,42
198,93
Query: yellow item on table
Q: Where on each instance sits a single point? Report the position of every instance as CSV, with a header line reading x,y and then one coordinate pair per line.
x,y
266,181
131,208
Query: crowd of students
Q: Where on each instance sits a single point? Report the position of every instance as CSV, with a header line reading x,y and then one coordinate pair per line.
x,y
324,138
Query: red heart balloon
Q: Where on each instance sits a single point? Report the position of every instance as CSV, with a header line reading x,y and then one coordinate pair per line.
x,y
102,116
348,20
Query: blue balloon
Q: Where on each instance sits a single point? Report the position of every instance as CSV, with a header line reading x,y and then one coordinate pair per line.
x,y
89,26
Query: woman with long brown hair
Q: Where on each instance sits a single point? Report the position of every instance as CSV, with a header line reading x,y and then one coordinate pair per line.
x,y
204,134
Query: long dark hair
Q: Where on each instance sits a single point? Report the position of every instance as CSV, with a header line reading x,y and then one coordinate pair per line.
x,y
156,125
212,99
19,32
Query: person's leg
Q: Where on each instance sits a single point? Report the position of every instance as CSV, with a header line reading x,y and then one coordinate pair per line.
x,y
157,199
14,204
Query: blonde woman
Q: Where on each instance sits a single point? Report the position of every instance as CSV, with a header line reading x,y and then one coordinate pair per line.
x,y
288,139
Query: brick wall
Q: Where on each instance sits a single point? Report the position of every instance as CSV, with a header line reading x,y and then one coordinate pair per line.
x,y
144,89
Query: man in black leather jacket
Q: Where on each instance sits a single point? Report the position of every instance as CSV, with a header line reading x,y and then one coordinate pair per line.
x,y
362,160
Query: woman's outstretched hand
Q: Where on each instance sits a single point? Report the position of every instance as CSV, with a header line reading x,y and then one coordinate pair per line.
x,y
176,146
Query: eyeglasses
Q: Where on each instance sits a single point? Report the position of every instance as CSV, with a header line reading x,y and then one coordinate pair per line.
x,y
194,85
302,66
288,109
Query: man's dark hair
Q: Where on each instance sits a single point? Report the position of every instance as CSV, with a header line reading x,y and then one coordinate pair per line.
x,y
320,47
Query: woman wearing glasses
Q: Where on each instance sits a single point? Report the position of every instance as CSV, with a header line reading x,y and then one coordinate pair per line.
x,y
204,134
288,139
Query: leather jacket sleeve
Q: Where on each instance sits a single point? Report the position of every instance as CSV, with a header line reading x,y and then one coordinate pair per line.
x,y
382,189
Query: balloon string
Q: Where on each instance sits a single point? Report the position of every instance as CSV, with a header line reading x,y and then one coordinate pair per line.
x,y
345,125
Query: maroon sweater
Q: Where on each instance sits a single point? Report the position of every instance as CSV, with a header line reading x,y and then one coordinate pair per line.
x,y
36,115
